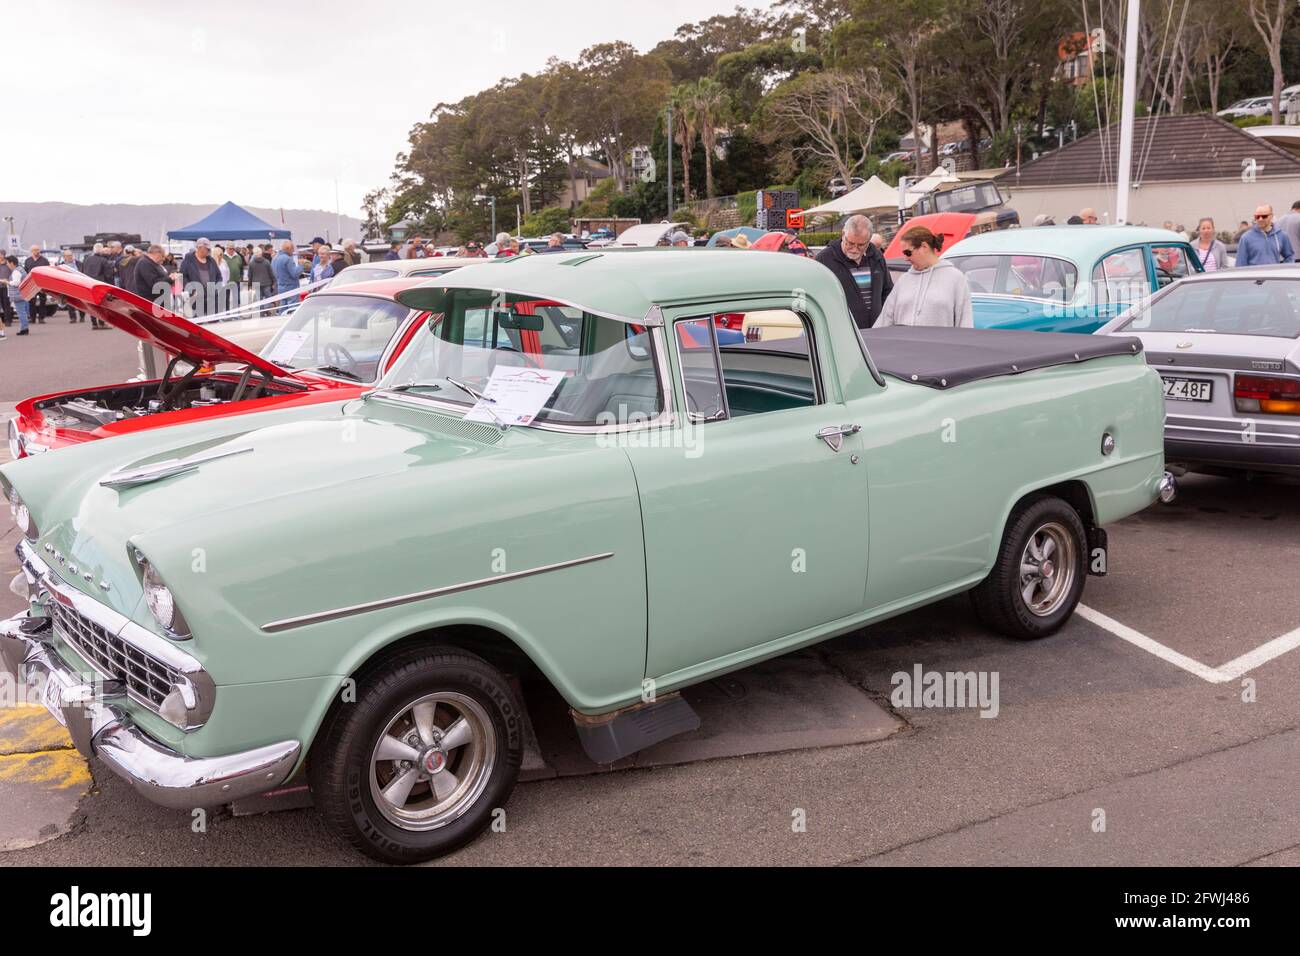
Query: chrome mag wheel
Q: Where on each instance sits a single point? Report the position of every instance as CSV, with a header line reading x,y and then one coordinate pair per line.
x,y
1047,569
433,761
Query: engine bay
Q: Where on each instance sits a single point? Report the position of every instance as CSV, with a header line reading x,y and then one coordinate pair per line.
x,y
90,410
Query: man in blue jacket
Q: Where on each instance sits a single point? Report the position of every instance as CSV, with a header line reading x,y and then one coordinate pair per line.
x,y
1264,244
288,270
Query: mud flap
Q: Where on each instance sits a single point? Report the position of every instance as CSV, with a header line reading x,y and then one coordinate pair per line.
x,y
612,737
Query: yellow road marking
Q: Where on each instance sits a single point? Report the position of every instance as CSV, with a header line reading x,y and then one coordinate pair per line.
x,y
30,729
52,770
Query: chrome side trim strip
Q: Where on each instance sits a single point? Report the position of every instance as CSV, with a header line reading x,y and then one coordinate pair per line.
x,y
319,617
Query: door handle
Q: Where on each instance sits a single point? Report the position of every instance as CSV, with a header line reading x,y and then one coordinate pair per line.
x,y
833,435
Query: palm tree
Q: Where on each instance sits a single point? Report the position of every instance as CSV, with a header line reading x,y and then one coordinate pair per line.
x,y
711,101
685,128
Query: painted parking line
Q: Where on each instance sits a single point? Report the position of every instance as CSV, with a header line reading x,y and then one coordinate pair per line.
x,y
1215,675
30,729
42,778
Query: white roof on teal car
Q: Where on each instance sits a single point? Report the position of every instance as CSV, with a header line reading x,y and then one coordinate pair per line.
x,y
1079,244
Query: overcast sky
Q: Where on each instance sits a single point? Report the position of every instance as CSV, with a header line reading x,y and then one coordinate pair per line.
x,y
266,103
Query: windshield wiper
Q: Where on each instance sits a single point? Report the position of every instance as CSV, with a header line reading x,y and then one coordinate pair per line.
x,y
433,387
334,369
483,399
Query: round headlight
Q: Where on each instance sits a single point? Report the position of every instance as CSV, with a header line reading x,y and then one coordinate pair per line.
x,y
159,599
15,440
22,517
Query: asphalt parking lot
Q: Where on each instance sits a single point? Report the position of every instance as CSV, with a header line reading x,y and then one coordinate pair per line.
x,y
1160,726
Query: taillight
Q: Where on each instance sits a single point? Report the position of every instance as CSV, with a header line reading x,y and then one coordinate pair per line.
x,y
1267,395
730,320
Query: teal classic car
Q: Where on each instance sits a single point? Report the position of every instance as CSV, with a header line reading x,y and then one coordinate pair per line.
x,y
563,478
1067,278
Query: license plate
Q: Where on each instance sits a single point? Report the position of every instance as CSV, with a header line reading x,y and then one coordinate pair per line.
x,y
52,698
1188,389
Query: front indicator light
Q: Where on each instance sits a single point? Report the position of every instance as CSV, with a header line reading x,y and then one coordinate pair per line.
x,y
159,599
180,707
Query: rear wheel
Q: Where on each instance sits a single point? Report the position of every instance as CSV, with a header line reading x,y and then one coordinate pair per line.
x,y
1039,575
416,766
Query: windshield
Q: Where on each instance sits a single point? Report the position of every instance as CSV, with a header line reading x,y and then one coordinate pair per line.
x,y
347,333
1029,277
1232,307
355,274
608,366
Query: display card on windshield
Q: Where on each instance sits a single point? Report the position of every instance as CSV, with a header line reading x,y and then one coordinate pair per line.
x,y
515,395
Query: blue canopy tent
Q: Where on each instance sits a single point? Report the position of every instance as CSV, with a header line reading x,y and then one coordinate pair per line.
x,y
229,222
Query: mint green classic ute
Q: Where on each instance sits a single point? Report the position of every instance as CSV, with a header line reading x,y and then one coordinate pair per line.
x,y
565,475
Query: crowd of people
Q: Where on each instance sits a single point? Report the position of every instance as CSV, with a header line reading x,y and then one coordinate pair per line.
x,y
213,278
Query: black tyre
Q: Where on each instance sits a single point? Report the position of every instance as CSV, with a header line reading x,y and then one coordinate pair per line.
x,y
1038,577
416,766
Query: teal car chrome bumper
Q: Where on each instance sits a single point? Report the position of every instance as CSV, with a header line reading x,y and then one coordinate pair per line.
x,y
99,727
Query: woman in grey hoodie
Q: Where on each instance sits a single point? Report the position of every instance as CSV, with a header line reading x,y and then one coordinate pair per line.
x,y
933,292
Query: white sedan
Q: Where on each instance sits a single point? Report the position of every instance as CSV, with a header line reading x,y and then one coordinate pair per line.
x,y
1227,346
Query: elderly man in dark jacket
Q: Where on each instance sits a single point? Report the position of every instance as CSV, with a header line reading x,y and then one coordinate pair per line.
x,y
861,269
149,280
96,266
38,304
201,277
260,274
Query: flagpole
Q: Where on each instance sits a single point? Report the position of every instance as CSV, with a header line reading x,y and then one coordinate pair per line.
x,y
1128,108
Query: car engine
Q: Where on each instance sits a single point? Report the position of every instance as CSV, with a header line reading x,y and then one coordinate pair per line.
x,y
95,409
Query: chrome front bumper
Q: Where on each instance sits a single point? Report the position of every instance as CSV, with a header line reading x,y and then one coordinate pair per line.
x,y
96,718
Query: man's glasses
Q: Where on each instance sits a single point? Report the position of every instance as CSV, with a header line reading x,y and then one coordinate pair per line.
x,y
1265,215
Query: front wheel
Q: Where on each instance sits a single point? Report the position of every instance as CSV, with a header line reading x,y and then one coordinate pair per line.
x,y
1038,577
417,765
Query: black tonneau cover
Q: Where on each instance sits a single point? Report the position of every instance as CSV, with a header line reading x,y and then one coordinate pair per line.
x,y
944,358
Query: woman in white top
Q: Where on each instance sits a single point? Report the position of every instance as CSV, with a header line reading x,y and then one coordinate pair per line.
x,y
1212,253
933,292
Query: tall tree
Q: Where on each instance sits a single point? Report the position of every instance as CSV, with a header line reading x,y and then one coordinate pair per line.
x,y
998,50
685,129
710,108
562,93
624,94
898,36
1270,18
1217,31
834,116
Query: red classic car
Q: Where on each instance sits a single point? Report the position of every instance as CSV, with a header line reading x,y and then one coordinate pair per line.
x,y
338,343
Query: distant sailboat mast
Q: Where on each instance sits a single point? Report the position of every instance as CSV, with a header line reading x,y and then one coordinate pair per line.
x,y
1128,108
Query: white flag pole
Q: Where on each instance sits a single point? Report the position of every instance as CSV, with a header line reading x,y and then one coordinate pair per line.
x,y
1128,108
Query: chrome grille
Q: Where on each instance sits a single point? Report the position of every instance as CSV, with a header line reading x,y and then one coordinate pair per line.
x,y
147,680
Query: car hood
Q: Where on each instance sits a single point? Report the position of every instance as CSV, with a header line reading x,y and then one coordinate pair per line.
x,y
298,465
145,320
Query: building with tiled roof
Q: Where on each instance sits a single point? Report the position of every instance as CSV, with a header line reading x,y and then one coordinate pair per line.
x,y
1184,167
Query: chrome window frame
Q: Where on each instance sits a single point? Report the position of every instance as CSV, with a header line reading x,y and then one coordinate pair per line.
x,y
814,361
1024,298
667,417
